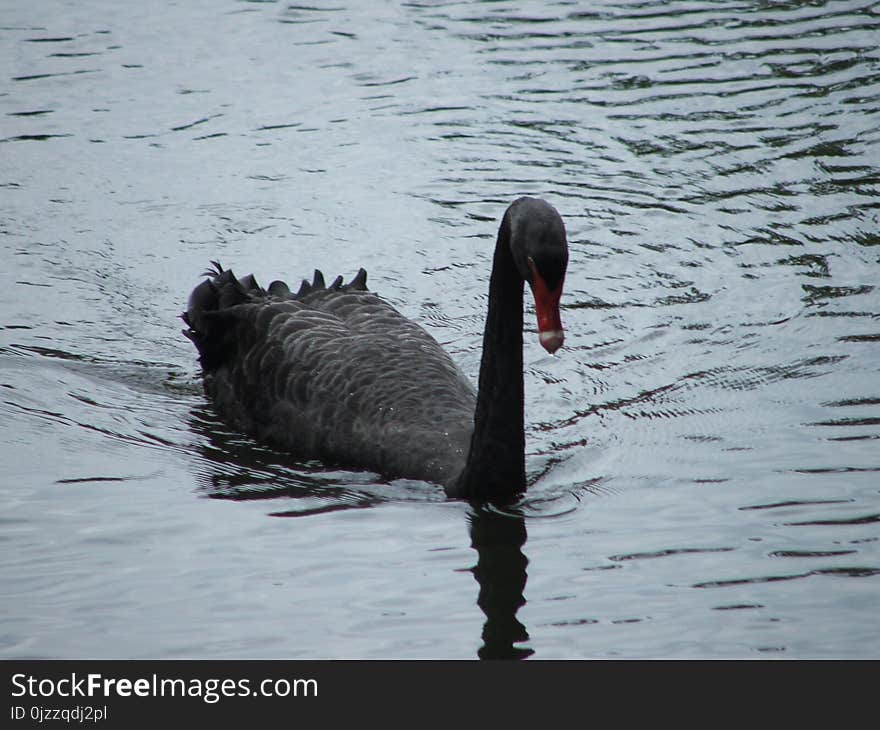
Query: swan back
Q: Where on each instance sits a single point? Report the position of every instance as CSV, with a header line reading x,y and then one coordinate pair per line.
x,y
332,372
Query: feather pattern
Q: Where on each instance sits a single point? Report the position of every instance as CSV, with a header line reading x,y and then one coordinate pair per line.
x,y
332,372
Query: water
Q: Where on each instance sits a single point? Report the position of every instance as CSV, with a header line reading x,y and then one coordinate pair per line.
x,y
704,450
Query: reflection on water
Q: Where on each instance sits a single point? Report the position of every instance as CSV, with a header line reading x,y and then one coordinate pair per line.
x,y
705,443
500,571
236,468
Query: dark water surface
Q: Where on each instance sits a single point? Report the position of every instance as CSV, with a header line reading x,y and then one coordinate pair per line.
x,y
705,451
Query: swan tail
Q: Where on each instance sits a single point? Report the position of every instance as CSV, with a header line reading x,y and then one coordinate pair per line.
x,y
208,308
211,308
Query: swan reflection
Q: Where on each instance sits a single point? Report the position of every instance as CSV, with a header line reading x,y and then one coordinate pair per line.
x,y
235,468
500,571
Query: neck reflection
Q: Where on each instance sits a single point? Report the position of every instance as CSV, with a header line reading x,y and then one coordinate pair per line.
x,y
501,573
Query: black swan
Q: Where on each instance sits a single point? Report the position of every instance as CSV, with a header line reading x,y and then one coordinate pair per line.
x,y
336,373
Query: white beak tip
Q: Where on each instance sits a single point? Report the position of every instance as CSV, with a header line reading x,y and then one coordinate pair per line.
x,y
551,340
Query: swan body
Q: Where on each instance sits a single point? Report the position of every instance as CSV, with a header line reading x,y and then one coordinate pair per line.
x,y
336,373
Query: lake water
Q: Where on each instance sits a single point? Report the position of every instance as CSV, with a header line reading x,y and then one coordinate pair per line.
x,y
704,452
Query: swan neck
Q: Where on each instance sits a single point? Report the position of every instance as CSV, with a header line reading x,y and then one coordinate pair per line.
x,y
495,467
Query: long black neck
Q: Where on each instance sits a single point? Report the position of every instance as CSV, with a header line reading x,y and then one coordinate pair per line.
x,y
495,467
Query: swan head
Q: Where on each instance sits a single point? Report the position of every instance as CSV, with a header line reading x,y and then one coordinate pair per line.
x,y
540,252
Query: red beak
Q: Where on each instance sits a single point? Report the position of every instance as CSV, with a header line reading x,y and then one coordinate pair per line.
x,y
550,331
